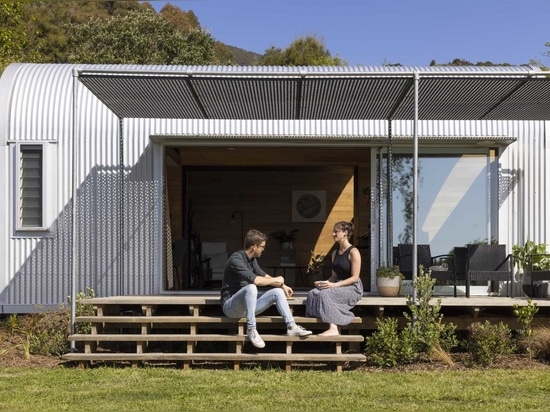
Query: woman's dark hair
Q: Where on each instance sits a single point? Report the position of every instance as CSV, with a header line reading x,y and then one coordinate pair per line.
x,y
343,225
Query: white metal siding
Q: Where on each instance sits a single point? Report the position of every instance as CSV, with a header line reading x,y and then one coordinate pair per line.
x,y
111,262
40,266
524,184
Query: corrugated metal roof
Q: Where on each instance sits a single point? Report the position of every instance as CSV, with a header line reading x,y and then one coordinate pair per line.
x,y
332,93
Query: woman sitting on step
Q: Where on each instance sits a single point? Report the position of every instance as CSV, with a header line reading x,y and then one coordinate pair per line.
x,y
332,300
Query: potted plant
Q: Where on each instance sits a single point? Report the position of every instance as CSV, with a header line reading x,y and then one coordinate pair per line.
x,y
522,256
285,238
315,266
388,280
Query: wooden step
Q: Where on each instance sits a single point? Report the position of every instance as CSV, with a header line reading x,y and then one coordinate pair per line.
x,y
152,356
194,319
208,338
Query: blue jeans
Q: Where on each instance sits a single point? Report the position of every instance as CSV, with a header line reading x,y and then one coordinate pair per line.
x,y
247,303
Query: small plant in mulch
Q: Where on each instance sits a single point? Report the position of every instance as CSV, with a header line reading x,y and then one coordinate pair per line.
x,y
525,315
540,343
487,342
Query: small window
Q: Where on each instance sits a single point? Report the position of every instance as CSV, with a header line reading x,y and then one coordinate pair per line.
x,y
31,187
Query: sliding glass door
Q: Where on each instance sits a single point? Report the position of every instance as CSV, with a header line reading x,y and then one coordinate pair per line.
x,y
456,197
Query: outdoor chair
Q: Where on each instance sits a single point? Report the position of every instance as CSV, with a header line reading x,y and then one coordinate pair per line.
x,y
395,256
460,266
425,258
214,256
489,263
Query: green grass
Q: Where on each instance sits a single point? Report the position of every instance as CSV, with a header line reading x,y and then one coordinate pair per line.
x,y
167,389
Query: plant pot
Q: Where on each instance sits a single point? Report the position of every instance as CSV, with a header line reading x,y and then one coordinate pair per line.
x,y
388,287
286,245
539,287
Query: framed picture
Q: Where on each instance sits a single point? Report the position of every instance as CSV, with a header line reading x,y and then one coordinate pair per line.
x,y
309,205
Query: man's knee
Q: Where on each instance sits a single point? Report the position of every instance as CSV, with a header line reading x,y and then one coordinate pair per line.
x,y
278,294
251,289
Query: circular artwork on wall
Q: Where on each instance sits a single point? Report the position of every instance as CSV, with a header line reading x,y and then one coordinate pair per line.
x,y
308,205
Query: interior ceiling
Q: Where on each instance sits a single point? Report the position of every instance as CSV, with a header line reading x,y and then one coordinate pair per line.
x,y
261,156
337,94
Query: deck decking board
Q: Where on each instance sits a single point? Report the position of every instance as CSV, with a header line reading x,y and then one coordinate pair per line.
x,y
191,319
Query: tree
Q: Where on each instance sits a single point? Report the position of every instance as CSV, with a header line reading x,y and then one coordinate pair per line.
x,y
186,22
538,62
182,21
138,37
14,42
46,23
304,51
223,54
402,184
463,62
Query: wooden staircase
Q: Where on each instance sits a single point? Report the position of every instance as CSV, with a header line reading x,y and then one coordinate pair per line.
x,y
192,329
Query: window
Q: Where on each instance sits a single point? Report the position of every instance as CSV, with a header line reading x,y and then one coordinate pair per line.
x,y
31,187
454,199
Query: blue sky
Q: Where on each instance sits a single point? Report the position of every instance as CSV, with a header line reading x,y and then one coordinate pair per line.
x,y
374,32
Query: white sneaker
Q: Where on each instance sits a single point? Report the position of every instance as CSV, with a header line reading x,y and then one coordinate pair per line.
x,y
255,338
297,330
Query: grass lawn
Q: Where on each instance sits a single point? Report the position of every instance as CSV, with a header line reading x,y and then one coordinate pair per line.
x,y
167,389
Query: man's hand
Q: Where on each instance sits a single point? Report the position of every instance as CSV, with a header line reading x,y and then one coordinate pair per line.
x,y
288,290
278,281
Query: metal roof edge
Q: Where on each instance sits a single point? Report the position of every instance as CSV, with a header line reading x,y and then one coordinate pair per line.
x,y
308,71
321,140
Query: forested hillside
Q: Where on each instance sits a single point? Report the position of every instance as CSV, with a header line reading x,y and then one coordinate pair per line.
x,y
108,32
132,32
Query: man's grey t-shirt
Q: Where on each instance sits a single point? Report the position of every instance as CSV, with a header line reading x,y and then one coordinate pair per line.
x,y
238,272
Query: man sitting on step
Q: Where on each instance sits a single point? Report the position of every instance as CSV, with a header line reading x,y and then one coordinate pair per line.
x,y
239,294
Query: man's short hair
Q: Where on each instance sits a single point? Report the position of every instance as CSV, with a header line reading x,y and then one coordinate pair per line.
x,y
254,237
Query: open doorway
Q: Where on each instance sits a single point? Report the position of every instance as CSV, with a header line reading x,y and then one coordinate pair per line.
x,y
216,194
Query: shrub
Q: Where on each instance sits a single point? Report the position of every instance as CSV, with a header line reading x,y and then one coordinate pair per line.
x,y
425,319
387,347
82,309
525,315
46,333
424,332
487,342
540,342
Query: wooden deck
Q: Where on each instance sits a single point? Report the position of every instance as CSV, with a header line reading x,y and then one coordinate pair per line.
x,y
462,311
190,328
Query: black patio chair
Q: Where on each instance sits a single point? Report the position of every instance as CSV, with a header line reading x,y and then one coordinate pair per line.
x,y
490,263
460,266
425,258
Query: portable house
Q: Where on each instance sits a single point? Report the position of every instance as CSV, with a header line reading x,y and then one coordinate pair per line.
x,y
105,169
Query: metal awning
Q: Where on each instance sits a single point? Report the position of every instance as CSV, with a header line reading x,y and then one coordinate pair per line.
x,y
327,93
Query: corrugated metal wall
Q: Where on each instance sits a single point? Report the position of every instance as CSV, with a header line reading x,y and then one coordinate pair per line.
x,y
40,265
119,214
524,183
